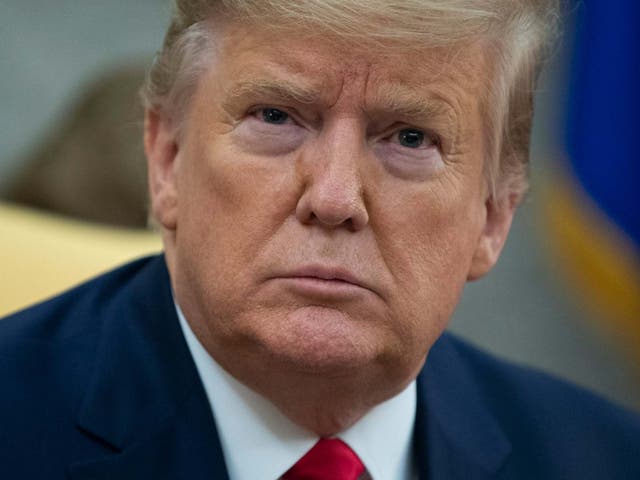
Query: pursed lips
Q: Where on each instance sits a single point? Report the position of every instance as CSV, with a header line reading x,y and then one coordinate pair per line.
x,y
324,280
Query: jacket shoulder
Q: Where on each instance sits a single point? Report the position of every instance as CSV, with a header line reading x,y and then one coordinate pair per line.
x,y
47,357
552,421
49,347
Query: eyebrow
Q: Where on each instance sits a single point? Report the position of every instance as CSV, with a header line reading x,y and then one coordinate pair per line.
x,y
268,88
410,104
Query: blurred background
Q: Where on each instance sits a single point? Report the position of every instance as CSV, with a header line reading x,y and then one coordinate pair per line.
x,y
565,296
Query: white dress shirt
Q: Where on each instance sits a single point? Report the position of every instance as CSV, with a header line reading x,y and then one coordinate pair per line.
x,y
260,443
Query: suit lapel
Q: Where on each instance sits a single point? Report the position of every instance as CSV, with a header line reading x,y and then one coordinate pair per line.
x,y
146,400
184,446
456,436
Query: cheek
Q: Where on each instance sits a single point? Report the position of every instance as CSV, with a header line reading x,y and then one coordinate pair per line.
x,y
236,191
230,206
431,258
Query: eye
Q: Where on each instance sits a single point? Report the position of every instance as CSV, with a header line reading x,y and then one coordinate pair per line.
x,y
409,152
273,116
269,131
412,138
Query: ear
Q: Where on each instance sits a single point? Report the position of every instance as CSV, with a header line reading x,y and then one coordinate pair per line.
x,y
161,150
499,215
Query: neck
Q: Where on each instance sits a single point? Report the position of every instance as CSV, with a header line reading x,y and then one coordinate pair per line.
x,y
323,404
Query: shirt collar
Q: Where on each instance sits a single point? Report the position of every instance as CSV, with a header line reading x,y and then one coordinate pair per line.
x,y
259,442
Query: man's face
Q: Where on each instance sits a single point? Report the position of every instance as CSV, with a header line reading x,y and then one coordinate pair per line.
x,y
325,204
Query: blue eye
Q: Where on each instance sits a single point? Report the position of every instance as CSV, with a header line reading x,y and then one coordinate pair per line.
x,y
411,138
274,116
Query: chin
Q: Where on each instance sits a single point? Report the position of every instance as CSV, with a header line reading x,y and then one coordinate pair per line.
x,y
322,340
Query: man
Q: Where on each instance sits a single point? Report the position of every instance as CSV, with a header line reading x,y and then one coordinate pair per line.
x,y
326,175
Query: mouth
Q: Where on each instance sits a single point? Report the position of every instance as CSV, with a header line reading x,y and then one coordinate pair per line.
x,y
325,282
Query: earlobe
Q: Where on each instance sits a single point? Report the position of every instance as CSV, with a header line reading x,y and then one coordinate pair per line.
x,y
499,215
161,150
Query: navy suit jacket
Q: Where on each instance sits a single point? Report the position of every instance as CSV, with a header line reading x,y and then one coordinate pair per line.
x,y
98,383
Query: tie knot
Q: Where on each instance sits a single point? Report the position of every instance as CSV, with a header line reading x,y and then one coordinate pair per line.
x,y
329,459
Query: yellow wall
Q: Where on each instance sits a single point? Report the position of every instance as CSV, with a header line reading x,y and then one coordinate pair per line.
x,y
42,254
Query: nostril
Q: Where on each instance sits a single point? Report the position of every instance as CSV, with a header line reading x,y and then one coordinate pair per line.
x,y
351,223
332,202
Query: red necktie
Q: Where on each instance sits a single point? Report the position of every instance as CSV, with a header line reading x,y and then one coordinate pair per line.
x,y
329,459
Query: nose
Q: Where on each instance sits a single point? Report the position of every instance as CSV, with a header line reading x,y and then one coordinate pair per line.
x,y
333,195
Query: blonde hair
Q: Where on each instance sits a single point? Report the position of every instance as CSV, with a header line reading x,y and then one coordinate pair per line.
x,y
518,32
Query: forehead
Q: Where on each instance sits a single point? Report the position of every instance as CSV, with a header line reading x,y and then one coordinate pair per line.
x,y
324,65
